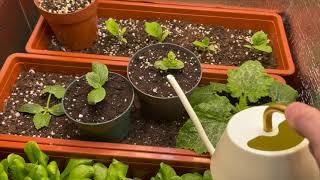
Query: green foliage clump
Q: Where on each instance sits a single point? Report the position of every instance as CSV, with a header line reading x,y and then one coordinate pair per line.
x,y
169,62
259,41
114,28
155,30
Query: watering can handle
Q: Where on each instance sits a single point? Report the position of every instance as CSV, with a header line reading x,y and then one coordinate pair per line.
x,y
192,114
267,115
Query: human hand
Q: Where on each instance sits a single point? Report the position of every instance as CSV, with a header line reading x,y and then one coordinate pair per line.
x,y
306,121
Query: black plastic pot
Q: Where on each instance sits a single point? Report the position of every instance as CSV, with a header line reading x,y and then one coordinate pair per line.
x,y
113,130
162,108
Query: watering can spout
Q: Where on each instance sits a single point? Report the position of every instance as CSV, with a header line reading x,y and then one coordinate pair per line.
x,y
193,116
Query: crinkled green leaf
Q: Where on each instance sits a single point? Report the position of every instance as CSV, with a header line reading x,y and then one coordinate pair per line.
x,y
160,65
34,154
102,71
81,171
264,48
53,171
259,38
207,175
31,108
170,62
154,29
113,27
201,94
217,108
96,95
93,79
282,93
214,115
72,164
41,120
57,110
56,90
166,172
117,170
249,80
100,171
191,176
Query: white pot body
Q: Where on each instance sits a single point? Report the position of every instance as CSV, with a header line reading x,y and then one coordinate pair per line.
x,y
233,159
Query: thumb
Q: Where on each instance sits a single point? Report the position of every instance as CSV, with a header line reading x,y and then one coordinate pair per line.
x,y
306,121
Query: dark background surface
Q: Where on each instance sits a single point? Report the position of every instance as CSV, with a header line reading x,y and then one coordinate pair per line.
x,y
301,17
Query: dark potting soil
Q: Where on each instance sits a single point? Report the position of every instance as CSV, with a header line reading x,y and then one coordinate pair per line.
x,y
27,89
63,6
118,98
154,82
229,42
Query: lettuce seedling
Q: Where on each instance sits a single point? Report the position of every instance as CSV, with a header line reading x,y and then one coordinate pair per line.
x,y
259,41
205,45
154,29
42,115
169,62
114,28
96,79
246,85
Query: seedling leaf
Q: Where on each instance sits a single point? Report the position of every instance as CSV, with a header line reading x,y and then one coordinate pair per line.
x,y
41,120
57,110
264,48
56,90
31,108
205,45
170,62
113,27
154,29
93,79
165,35
102,71
96,95
259,41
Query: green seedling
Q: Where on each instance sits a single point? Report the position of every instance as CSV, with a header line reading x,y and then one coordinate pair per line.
x,y
169,62
214,106
96,79
42,115
114,28
259,41
205,45
155,30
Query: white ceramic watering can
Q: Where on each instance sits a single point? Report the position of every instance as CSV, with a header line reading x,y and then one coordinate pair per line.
x,y
233,159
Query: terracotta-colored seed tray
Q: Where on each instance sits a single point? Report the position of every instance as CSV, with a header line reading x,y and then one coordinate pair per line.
x,y
17,63
141,164
239,18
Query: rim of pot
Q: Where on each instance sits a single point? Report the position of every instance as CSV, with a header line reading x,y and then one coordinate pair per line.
x,y
159,44
100,123
36,2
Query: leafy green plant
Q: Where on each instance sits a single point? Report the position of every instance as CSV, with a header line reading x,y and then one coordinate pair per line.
x,y
216,103
166,172
260,41
169,62
155,30
205,45
42,115
114,28
96,79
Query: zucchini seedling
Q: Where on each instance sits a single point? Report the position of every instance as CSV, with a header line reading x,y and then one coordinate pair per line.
x,y
114,28
96,79
205,45
169,62
155,30
42,115
259,41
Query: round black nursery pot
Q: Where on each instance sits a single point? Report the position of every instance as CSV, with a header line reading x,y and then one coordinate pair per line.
x,y
91,120
159,100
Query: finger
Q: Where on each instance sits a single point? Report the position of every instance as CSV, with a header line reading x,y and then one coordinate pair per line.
x,y
306,121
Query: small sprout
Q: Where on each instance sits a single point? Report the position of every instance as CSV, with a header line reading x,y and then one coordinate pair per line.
x,y
170,62
154,29
42,115
205,45
96,79
114,28
260,41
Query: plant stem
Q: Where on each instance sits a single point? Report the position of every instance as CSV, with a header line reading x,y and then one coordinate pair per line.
x,y
48,101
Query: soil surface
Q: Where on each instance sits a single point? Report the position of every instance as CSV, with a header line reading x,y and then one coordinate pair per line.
x,y
117,100
153,81
63,6
229,42
27,89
